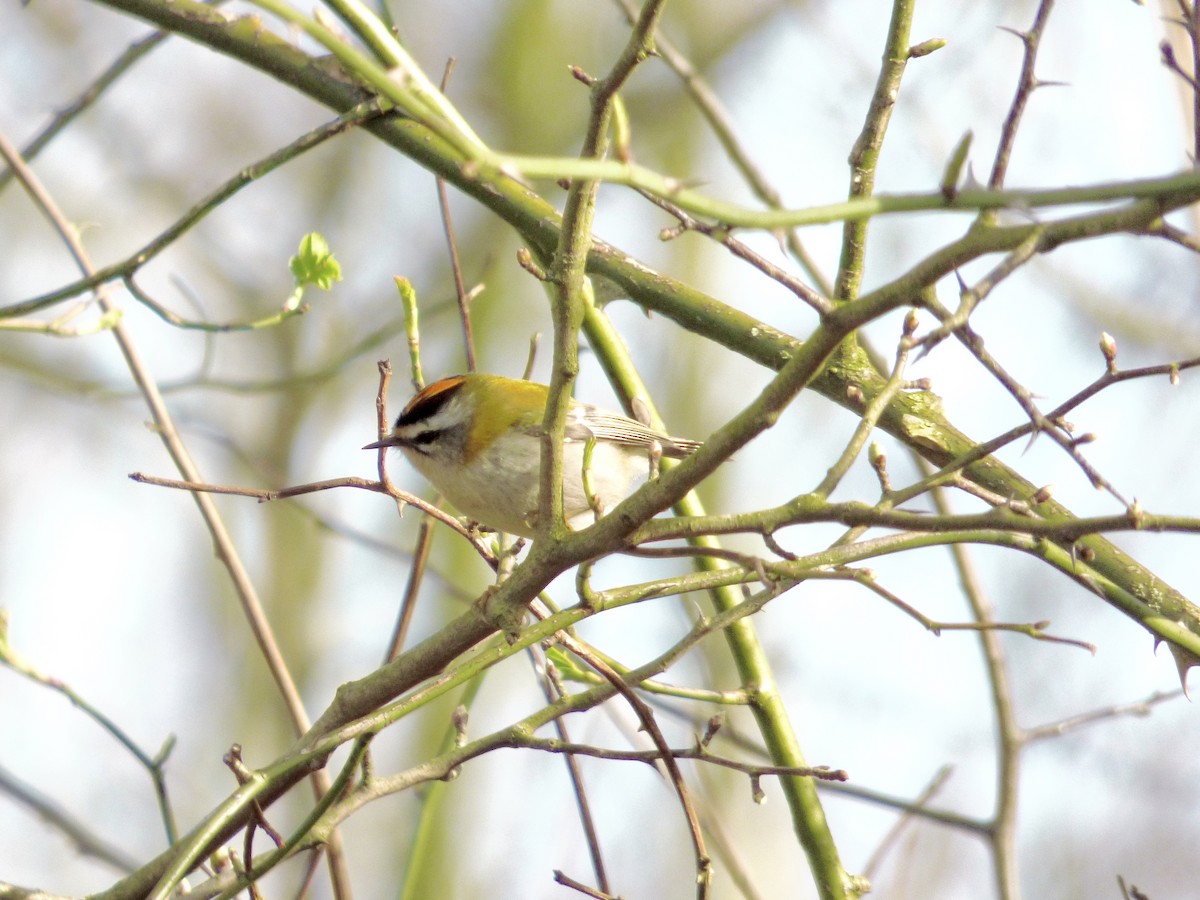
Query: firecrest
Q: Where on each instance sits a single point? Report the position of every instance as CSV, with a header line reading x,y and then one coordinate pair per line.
x,y
476,439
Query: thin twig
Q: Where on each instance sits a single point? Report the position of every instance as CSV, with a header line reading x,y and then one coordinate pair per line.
x,y
460,290
907,817
94,278
226,550
82,838
553,689
1040,423
265,496
1092,717
870,416
1009,736
567,881
721,123
864,155
90,94
1026,85
416,575
723,236
645,716
154,765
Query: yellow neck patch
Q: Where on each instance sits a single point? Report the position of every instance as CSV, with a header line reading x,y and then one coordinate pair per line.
x,y
501,405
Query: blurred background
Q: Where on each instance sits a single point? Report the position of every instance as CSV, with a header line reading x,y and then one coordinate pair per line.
x,y
113,587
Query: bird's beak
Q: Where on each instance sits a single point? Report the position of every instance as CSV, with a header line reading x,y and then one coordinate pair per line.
x,y
389,441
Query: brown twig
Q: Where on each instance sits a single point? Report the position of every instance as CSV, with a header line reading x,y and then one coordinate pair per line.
x,y
907,817
460,290
697,753
645,716
1092,717
416,574
567,881
165,426
1009,736
1026,85
723,236
266,496
94,278
553,689
1039,423
81,838
721,123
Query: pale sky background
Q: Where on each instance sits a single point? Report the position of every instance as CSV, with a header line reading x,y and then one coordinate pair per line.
x,y
111,586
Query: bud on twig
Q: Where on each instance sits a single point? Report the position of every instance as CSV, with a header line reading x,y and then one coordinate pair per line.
x,y
1042,494
910,323
916,51
525,261
710,731
1108,346
878,460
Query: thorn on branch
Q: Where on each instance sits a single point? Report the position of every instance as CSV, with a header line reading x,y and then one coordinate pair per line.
x,y
1025,37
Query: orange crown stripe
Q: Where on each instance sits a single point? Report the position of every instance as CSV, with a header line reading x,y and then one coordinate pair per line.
x,y
433,390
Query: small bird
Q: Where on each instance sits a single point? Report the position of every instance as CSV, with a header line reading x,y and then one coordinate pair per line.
x,y
476,438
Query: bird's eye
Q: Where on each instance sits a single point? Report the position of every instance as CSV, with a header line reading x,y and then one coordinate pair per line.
x,y
425,438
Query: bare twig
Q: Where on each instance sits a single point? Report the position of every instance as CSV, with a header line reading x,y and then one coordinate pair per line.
x,y
460,290
1026,85
552,687
416,575
646,718
90,94
864,155
1136,708
906,818
1009,736
82,838
567,881
226,550
723,236
94,278
721,123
